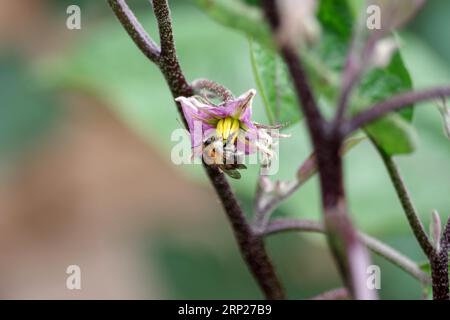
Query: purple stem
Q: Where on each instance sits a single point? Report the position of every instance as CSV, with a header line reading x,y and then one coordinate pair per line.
x,y
395,103
351,256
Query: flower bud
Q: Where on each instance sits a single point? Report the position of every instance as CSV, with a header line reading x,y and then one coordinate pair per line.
x,y
383,52
445,112
436,229
298,22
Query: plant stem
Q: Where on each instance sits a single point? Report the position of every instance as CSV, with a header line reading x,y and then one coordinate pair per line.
x,y
213,87
439,267
395,103
335,294
168,63
351,257
375,245
135,30
439,275
405,200
438,259
251,246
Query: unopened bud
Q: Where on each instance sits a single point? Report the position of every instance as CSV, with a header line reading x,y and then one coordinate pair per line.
x,y
436,229
444,109
383,52
298,24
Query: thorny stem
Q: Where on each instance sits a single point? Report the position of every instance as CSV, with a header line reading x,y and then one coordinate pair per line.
x,y
405,200
168,61
439,267
438,258
375,245
251,246
135,30
351,256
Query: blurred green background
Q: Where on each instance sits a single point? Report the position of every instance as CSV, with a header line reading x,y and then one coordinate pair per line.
x,y
86,175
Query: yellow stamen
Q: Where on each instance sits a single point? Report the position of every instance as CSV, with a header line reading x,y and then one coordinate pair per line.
x,y
235,126
234,129
226,127
219,128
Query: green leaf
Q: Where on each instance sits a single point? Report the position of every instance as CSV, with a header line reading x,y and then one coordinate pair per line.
x,y
336,18
394,133
237,15
274,85
255,3
394,79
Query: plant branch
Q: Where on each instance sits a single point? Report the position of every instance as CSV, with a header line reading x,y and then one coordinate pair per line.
x,y
375,245
351,257
438,258
215,88
169,64
251,246
395,103
310,108
356,64
439,267
135,30
405,200
335,294
266,203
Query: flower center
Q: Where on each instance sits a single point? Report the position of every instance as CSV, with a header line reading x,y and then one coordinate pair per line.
x,y
227,127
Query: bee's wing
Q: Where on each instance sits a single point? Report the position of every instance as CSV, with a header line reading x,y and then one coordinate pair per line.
x,y
232,173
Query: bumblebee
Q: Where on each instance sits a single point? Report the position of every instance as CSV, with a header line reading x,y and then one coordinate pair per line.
x,y
222,154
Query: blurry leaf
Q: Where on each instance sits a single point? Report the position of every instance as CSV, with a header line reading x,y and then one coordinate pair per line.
x,y
256,3
356,6
379,84
425,267
394,134
274,85
25,110
336,18
239,16
391,133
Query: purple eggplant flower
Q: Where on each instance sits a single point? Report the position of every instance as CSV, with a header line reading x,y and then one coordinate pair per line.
x,y
229,121
222,134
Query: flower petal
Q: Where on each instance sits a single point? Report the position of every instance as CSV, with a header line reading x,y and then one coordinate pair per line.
x,y
241,107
